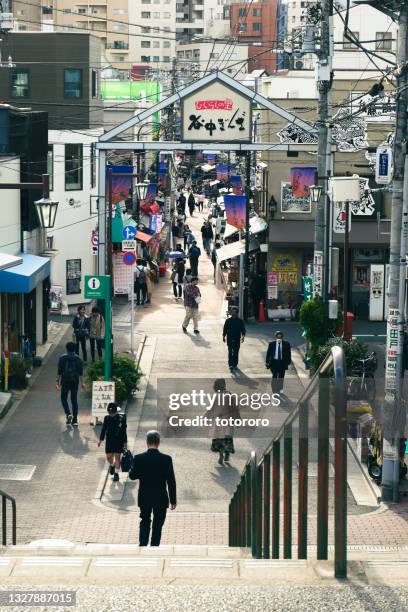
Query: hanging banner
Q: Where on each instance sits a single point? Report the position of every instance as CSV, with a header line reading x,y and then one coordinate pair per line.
x,y
383,165
301,179
121,185
216,113
237,185
235,209
339,218
222,172
318,272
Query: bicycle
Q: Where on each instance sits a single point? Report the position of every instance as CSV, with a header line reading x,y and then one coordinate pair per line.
x,y
362,385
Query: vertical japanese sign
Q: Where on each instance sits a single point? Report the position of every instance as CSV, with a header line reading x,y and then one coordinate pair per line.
x,y
318,272
216,113
377,292
393,350
339,218
235,208
307,288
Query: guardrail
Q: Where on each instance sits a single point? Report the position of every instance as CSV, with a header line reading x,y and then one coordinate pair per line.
x,y
4,498
255,508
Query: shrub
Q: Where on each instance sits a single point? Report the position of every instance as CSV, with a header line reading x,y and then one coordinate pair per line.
x,y
125,374
317,326
354,349
17,372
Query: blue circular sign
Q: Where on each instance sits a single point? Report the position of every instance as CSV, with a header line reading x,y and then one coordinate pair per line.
x,y
129,258
129,232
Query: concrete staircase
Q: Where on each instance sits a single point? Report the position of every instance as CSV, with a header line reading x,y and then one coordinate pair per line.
x,y
65,563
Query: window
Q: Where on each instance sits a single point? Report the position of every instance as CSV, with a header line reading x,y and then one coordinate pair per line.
x,y
383,41
73,83
22,28
146,1
73,167
50,165
145,58
243,12
119,27
93,165
120,58
156,15
19,83
257,12
73,276
167,28
257,27
166,44
94,83
47,10
145,44
82,11
156,44
145,15
350,45
67,11
166,58
145,30
166,15
242,27
21,13
156,58
119,11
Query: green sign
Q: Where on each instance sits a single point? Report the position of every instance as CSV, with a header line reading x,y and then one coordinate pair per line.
x,y
97,287
307,288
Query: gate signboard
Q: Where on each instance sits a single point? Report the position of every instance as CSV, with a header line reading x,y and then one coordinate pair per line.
x,y
216,113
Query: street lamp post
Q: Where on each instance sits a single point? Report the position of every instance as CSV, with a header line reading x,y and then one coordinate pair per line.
x,y
141,190
46,208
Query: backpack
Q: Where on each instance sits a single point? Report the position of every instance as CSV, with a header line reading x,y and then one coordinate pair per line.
x,y
142,276
70,372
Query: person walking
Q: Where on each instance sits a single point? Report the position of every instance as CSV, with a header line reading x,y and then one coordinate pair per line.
x,y
69,374
194,253
187,236
278,359
140,282
257,291
157,488
181,203
234,331
114,429
81,331
192,298
178,277
96,332
207,235
224,407
149,284
191,203
188,277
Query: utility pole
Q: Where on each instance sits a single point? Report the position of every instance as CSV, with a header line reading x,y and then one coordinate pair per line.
x,y
322,216
394,418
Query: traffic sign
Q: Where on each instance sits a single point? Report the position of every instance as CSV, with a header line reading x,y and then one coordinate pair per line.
x,y
129,232
97,287
129,258
128,245
95,239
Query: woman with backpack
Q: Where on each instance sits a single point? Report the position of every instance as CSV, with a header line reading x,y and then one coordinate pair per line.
x,y
81,325
140,282
114,430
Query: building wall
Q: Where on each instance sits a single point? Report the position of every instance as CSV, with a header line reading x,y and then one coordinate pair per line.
x,y
45,56
74,224
10,239
209,56
148,41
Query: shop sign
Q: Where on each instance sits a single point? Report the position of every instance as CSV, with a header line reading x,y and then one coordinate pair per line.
x,y
272,278
339,218
307,288
318,272
103,393
56,298
216,113
272,292
393,349
376,292
383,165
285,267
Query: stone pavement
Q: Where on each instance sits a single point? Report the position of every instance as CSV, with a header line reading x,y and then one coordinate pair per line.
x,y
61,499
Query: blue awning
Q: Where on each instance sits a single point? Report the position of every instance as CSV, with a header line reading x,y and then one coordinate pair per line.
x,y
25,277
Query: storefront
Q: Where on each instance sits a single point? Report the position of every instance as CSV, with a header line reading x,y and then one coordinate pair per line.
x,y
24,302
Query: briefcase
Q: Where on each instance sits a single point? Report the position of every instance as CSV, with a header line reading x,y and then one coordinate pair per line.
x,y
126,460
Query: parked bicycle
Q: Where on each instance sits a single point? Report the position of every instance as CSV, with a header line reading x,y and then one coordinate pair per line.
x,y
362,384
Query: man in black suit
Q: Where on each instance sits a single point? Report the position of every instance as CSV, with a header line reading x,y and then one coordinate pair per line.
x,y
157,487
278,359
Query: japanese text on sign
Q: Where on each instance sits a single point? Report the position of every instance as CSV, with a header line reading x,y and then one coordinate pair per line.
x,y
393,349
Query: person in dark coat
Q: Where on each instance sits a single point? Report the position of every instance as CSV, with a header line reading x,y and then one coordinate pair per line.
x,y
278,359
191,203
81,325
234,331
178,278
222,435
114,429
194,254
157,488
181,203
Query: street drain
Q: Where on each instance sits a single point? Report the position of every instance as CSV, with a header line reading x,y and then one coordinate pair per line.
x,y
15,471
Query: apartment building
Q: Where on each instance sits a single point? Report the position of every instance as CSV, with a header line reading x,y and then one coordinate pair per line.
x,y
107,19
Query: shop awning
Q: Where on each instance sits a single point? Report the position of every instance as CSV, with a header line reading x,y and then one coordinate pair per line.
x,y
236,248
26,276
257,225
229,230
144,237
9,261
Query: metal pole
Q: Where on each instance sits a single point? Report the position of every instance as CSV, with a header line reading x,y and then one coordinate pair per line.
x,y
253,505
132,313
287,493
266,506
346,270
327,241
109,227
246,260
46,185
324,149
108,332
390,468
102,212
275,498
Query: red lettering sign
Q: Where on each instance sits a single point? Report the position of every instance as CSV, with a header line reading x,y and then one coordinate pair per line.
x,y
226,104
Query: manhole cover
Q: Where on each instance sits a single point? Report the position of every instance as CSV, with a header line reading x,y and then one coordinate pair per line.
x,y
14,471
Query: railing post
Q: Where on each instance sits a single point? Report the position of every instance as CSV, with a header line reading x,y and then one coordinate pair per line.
x,y
287,492
253,504
247,505
275,498
4,520
14,508
259,510
241,514
323,468
340,480
303,480
266,505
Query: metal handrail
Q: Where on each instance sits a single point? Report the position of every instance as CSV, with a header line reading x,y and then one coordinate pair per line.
x,y
250,507
4,497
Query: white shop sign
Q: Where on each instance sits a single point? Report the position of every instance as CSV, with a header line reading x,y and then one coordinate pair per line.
x,y
216,113
377,292
393,349
339,218
318,272
103,392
